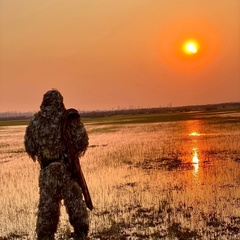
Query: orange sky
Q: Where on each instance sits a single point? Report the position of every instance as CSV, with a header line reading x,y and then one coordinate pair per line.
x,y
104,54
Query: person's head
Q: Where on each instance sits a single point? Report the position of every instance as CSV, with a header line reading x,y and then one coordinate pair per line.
x,y
52,99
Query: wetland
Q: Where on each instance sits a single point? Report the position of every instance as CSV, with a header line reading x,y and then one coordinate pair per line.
x,y
151,176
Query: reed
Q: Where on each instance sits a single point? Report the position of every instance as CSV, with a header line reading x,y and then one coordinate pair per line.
x,y
137,189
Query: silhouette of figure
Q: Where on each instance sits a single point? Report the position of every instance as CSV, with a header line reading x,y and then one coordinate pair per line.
x,y
44,142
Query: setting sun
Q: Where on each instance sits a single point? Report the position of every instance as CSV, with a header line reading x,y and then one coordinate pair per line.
x,y
190,47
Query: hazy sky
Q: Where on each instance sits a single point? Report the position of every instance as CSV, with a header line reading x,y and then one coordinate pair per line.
x,y
104,54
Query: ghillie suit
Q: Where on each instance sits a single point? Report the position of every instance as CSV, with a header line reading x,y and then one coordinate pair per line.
x,y
44,141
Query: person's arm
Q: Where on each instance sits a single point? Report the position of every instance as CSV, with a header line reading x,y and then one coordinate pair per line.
x,y
29,143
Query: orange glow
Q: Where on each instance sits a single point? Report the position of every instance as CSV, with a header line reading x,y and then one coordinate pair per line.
x,y
190,47
194,134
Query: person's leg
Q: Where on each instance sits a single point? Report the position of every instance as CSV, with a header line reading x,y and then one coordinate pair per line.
x,y
48,208
76,209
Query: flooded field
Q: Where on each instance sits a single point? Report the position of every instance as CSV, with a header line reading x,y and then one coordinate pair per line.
x,y
151,180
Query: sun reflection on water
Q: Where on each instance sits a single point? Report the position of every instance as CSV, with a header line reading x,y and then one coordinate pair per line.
x,y
194,134
195,160
195,150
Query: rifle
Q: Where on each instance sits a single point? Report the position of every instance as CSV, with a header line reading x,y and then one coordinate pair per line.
x,y
73,159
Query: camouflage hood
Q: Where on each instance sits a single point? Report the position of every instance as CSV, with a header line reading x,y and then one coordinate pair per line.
x,y
43,138
52,104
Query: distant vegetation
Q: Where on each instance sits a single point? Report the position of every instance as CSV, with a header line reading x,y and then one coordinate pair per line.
x,y
209,107
161,114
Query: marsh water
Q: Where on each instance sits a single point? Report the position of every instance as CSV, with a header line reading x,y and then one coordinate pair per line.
x,y
197,145
170,180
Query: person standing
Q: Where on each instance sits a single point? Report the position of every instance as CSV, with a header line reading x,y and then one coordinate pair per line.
x,y
44,141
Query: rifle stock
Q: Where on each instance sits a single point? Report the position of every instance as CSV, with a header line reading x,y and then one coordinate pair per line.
x,y
78,174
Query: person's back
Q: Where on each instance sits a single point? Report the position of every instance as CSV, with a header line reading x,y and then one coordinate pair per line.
x,y
44,142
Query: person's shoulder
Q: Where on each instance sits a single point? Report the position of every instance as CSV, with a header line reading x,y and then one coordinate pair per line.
x,y
34,119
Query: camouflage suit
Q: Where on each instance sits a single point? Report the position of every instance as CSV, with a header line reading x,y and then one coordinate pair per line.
x,y
44,142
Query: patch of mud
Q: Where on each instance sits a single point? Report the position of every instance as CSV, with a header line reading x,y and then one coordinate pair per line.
x,y
93,146
161,164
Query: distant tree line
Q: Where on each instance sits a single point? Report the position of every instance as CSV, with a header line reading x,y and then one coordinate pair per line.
x,y
108,113
208,107
15,115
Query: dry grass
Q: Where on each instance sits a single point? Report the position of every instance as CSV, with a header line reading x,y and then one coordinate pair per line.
x,y
135,194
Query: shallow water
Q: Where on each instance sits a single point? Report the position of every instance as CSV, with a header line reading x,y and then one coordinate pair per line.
x,y
153,180
196,148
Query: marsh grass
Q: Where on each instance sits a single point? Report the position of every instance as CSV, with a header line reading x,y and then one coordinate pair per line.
x,y
13,122
136,194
